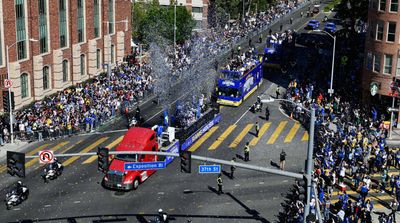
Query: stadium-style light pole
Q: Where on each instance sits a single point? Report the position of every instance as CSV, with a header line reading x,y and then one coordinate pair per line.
x,y
310,150
9,89
330,90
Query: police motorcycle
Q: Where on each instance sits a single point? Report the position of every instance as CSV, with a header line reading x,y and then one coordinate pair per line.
x,y
16,195
257,106
133,122
162,217
52,171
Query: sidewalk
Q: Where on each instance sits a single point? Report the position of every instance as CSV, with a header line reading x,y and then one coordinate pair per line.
x,y
18,146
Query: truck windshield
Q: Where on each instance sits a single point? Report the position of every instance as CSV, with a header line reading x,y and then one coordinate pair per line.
x,y
127,157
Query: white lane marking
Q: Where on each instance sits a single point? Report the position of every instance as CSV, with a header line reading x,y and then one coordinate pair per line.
x,y
237,185
285,181
76,202
16,209
260,182
47,205
242,116
161,193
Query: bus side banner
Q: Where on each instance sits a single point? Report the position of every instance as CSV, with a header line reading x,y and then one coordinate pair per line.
x,y
229,83
174,148
193,138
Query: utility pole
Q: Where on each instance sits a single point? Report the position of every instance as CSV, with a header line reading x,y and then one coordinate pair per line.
x,y
175,26
310,151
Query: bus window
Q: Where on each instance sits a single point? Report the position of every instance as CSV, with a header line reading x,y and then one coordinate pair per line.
x,y
230,92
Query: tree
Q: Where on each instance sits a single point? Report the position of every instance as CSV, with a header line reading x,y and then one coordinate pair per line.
x,y
154,21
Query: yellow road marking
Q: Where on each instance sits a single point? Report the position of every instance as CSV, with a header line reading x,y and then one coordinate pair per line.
x,y
276,133
67,149
263,129
203,139
109,146
85,150
240,137
292,132
36,160
390,174
35,151
222,137
3,168
305,136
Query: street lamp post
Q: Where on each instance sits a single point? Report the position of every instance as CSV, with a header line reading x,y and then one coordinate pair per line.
x,y
310,150
175,26
330,90
9,89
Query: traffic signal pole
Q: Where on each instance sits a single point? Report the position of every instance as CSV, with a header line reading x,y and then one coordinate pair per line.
x,y
9,97
201,158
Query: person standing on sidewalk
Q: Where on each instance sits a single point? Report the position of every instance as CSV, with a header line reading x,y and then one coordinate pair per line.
x,y
246,152
219,183
233,167
257,127
277,92
282,159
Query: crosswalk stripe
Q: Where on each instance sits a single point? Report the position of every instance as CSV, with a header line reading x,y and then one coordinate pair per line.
x,y
305,136
109,146
72,146
35,151
372,198
263,129
3,168
85,150
276,133
240,137
202,139
36,160
389,173
376,204
292,132
222,137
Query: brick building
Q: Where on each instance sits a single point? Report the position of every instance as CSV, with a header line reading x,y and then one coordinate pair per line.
x,y
57,43
199,9
382,50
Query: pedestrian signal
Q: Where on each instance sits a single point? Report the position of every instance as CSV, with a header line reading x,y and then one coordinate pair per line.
x,y
16,164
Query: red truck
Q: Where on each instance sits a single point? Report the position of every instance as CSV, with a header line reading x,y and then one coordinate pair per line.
x,y
136,139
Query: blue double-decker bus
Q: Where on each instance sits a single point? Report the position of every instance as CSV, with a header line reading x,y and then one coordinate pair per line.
x,y
273,54
234,86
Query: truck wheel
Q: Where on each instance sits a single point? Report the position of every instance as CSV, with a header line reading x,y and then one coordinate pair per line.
x,y
136,184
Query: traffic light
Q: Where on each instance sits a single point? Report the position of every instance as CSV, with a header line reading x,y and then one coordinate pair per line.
x,y
6,101
303,189
102,159
16,164
186,161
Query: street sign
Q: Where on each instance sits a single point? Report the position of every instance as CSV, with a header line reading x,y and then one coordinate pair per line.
x,y
210,169
144,166
393,109
46,156
8,83
330,91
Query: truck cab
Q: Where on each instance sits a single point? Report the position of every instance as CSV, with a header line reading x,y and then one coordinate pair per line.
x,y
136,139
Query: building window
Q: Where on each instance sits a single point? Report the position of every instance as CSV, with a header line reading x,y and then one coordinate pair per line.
x,y
46,78
62,13
398,66
21,32
24,85
391,34
110,16
394,5
197,9
43,26
81,21
377,62
368,65
83,64
382,5
96,18
388,64
379,30
65,70
98,62
112,54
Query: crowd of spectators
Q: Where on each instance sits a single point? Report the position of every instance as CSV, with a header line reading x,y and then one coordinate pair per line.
x,y
85,106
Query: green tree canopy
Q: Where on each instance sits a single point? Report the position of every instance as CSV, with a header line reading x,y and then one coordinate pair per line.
x,y
152,21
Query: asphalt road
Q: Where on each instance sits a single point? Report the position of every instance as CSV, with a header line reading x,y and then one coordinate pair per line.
x,y
77,195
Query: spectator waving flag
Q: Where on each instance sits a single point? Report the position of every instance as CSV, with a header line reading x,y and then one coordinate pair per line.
x,y
166,120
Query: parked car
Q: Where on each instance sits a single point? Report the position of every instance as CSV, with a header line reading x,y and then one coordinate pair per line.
x,y
330,27
313,24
